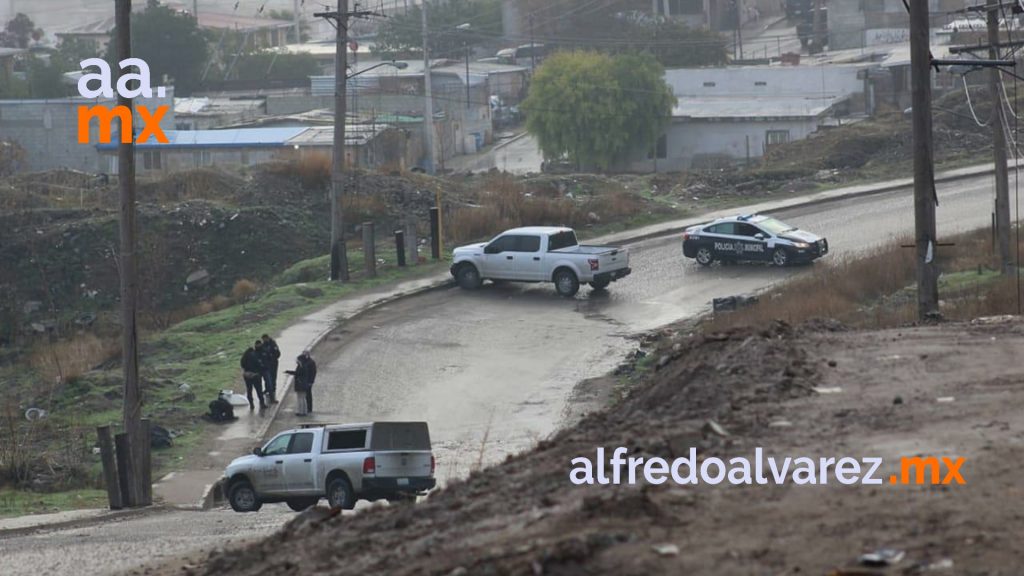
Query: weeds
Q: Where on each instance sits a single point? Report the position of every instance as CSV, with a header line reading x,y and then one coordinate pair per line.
x,y
64,360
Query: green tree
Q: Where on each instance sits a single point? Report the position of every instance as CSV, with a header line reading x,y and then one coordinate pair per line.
x,y
171,43
19,31
593,108
266,65
403,33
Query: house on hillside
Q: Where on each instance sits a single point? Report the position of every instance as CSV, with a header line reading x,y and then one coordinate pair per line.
x,y
866,23
205,113
48,130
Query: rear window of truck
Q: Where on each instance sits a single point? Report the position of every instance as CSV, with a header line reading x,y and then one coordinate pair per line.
x,y
400,436
346,440
560,240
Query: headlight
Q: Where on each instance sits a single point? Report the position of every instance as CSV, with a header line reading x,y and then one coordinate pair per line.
x,y
801,245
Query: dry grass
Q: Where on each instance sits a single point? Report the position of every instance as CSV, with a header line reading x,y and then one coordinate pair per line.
x,y
877,290
243,290
313,169
64,360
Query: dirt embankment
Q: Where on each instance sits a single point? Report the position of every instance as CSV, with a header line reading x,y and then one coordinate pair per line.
x,y
525,517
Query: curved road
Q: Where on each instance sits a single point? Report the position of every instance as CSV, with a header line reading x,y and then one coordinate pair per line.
x,y
493,371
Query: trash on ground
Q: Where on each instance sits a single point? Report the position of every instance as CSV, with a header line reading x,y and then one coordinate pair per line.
x,y
882,557
827,389
945,399
666,549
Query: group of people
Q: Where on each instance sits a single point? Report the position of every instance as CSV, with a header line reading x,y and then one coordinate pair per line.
x,y
259,370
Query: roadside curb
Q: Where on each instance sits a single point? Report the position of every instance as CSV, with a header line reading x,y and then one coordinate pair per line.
x,y
106,515
213,493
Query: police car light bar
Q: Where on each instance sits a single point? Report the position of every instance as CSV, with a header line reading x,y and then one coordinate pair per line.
x,y
745,217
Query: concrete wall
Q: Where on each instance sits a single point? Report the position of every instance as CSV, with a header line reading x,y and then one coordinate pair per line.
x,y
838,80
48,130
697,142
863,23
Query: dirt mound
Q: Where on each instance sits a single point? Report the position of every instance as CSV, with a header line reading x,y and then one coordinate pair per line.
x,y
523,516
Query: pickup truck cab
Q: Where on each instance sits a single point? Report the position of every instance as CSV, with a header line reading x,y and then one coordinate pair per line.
x,y
341,462
539,254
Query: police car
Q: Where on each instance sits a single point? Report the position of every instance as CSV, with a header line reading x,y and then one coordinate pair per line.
x,y
752,239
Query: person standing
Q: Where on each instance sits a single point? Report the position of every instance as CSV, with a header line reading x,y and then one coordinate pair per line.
x,y
270,356
304,375
252,368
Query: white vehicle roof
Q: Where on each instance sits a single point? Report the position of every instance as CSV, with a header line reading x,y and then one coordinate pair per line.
x,y
543,230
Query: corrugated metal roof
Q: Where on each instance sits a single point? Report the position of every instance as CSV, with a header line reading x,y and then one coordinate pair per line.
x,y
238,138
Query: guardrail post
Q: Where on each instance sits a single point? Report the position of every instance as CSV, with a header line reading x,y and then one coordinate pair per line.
x,y
123,456
411,244
110,477
369,250
435,233
400,246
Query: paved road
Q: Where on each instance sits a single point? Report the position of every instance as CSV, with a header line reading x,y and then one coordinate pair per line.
x,y
520,156
492,371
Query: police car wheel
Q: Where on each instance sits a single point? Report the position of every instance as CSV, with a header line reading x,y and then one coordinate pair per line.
x,y
780,257
242,498
705,257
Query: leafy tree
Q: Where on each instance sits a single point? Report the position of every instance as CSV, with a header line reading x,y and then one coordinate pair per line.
x,y
593,108
19,31
404,32
171,43
270,66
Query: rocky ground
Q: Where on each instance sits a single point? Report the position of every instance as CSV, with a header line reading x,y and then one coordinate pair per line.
x,y
816,391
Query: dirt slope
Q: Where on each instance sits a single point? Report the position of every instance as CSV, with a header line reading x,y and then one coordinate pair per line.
x,y
525,517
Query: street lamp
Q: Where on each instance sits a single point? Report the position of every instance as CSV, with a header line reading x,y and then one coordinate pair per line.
x,y
465,43
398,65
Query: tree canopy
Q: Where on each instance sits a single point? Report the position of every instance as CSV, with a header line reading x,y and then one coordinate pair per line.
x,y
19,31
593,108
402,33
171,43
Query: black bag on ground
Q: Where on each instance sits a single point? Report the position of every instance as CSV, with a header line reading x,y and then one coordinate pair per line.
x,y
221,410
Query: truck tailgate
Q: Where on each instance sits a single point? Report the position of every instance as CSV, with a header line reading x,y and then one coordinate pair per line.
x,y
413,464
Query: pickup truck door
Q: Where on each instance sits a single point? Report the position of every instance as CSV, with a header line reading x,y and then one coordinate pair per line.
x,y
499,259
298,464
529,258
268,477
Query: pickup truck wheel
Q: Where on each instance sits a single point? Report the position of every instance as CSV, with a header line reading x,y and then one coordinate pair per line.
x,y
705,257
242,497
339,494
300,504
468,277
600,284
566,283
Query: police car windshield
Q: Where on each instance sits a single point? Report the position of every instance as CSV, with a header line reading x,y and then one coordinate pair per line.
x,y
774,226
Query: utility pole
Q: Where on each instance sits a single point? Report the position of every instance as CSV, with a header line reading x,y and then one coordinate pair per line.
x,y
533,48
297,16
138,494
819,27
998,121
339,253
924,171
739,27
428,103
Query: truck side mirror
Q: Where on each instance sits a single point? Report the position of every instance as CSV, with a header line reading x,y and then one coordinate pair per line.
x,y
257,451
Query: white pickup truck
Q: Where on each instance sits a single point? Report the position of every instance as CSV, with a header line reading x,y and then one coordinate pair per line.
x,y
343,463
539,254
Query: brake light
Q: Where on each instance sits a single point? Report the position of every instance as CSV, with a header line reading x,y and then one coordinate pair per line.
x,y
433,464
370,466
594,263
686,235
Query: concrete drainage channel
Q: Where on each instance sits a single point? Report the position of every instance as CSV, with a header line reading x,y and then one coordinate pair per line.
x,y
213,494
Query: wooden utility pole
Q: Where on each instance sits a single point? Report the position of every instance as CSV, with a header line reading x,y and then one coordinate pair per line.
x,y
924,171
819,27
339,252
428,100
998,122
297,17
137,464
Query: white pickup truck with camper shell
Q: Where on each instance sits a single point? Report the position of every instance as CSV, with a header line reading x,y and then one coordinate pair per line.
x,y
340,462
539,254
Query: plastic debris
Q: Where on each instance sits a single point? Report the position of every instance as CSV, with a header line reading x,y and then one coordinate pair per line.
x,y
945,399
827,389
882,557
666,549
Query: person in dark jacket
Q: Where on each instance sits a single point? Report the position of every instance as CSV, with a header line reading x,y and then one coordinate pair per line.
x,y
252,368
270,355
304,376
